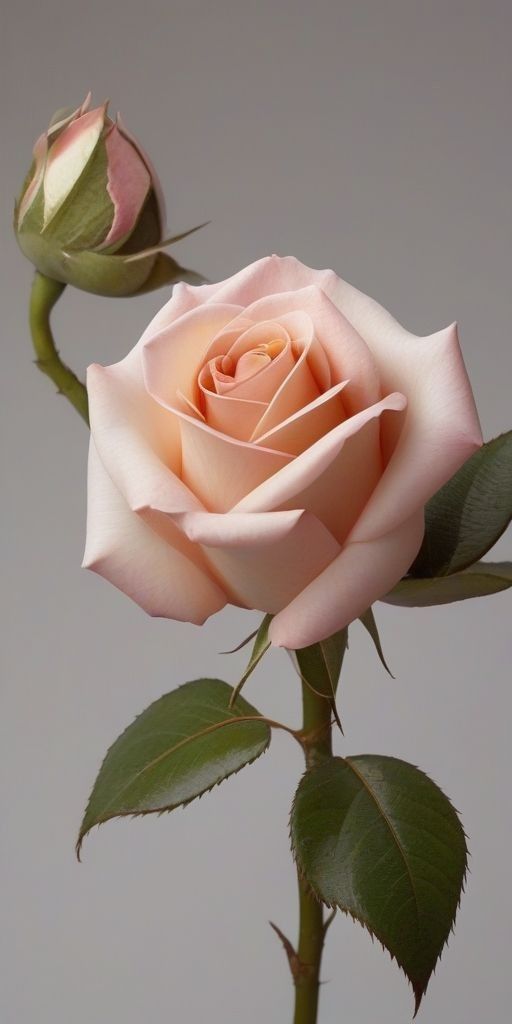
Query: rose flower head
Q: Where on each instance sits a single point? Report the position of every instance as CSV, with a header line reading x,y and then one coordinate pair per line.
x,y
91,211
271,442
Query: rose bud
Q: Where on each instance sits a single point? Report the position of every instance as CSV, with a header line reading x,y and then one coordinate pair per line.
x,y
91,211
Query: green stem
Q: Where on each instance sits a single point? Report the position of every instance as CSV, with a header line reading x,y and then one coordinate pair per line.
x,y
317,742
44,295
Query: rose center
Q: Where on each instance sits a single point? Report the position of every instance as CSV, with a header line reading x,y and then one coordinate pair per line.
x,y
250,363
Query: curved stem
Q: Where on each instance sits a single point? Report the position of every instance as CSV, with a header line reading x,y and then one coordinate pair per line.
x,y
44,295
317,742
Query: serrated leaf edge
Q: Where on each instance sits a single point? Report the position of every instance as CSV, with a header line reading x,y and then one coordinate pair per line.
x,y
167,808
233,720
418,991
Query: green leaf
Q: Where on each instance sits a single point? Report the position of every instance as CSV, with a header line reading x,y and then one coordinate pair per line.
x,y
178,748
260,647
368,621
377,838
320,667
479,580
468,515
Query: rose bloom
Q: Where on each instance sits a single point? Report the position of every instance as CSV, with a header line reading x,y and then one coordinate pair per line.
x,y
271,442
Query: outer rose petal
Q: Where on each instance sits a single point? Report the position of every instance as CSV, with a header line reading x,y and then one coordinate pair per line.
x,y
442,428
39,156
68,157
265,277
220,470
128,184
138,441
263,560
155,181
173,357
125,550
347,353
361,574
335,477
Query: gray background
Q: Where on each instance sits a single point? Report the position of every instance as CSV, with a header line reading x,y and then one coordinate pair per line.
x,y
370,137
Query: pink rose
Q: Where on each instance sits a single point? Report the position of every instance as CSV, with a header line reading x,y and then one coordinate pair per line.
x,y
271,442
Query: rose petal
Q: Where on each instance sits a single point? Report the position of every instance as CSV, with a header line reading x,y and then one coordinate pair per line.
x,y
361,574
128,184
263,560
442,428
121,547
263,381
39,156
335,476
308,425
236,417
216,529
68,157
220,470
348,356
252,336
173,358
138,441
261,386
298,390
155,181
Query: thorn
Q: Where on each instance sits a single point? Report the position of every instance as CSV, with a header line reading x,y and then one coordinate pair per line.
x,y
297,967
328,921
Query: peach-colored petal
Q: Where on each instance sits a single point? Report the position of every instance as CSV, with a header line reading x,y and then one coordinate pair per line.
x,y
268,276
247,335
224,341
442,428
335,476
125,550
138,441
68,157
347,354
307,425
236,417
263,560
262,384
128,184
237,529
220,470
173,357
362,573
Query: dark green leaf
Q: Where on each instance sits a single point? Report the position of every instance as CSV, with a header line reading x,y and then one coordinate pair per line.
x,y
180,747
368,621
377,838
320,666
260,647
468,515
479,580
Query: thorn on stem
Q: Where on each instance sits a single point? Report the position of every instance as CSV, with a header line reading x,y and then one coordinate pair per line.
x,y
297,967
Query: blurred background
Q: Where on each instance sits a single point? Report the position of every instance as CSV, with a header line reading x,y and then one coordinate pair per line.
x,y
371,137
